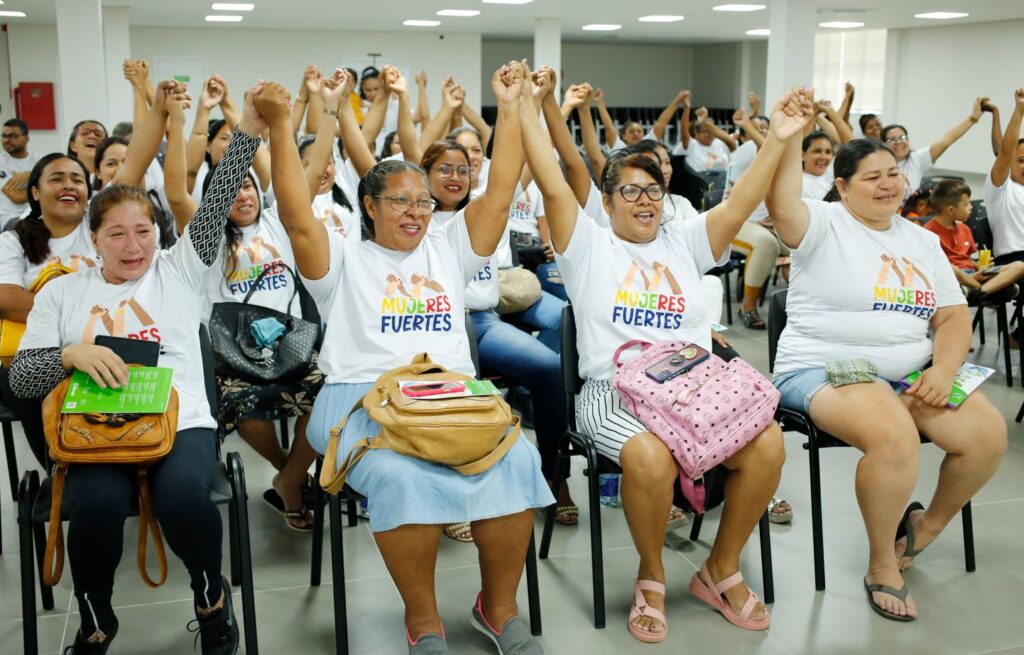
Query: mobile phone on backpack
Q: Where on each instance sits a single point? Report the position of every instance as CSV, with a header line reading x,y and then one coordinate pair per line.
x,y
677,363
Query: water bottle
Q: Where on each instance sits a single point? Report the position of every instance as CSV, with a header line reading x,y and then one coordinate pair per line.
x,y
608,488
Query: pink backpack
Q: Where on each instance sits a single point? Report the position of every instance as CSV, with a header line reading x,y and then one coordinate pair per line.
x,y
704,415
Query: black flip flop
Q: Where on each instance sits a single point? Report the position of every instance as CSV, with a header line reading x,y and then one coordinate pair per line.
x,y
903,530
274,500
897,593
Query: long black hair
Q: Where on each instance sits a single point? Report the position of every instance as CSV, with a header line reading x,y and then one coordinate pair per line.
x,y
337,195
848,159
101,150
31,231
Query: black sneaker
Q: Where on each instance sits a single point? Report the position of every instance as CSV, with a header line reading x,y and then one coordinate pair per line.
x,y
219,629
83,647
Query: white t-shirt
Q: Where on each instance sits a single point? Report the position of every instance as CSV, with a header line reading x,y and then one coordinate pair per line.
x,y
850,296
385,306
264,245
739,161
705,158
621,145
522,214
74,251
344,222
10,166
159,306
483,291
676,206
619,296
1005,206
815,187
914,168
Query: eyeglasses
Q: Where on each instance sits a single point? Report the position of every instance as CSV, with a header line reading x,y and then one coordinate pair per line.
x,y
631,192
82,131
403,204
447,170
11,137
897,139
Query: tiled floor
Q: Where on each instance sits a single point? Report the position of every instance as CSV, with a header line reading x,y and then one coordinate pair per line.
x,y
961,613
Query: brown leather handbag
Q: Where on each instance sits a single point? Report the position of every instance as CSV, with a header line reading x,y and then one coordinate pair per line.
x,y
139,439
468,434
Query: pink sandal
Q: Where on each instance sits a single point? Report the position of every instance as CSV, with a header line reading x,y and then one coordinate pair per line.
x,y
704,588
641,608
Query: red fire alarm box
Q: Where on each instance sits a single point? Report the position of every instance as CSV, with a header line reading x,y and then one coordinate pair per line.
x,y
33,103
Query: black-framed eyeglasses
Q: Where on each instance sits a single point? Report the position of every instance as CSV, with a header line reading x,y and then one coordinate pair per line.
x,y
403,204
447,170
897,139
631,192
14,135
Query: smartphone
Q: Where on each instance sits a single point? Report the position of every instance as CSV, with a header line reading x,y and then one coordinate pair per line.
x,y
992,270
428,389
131,351
677,363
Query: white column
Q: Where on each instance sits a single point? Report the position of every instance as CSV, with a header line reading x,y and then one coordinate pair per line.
x,y
790,47
117,48
893,71
83,76
547,46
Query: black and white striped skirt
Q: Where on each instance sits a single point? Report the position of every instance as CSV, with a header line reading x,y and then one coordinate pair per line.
x,y
601,415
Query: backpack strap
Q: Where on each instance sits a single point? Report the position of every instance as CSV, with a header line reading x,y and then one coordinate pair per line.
x,y
147,522
52,570
491,458
626,346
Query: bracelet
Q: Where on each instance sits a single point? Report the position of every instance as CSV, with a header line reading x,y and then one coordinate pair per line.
x,y
201,134
331,112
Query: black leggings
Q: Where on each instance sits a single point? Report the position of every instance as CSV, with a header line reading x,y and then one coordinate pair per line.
x,y
101,497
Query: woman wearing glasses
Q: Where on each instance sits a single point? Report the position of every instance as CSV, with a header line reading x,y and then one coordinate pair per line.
x,y
386,298
915,164
611,275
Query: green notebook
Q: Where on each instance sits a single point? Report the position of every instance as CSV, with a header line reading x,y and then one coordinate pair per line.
x,y
148,392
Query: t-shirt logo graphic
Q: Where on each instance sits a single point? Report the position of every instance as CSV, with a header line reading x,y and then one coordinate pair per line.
x,y
903,297
75,262
422,306
649,307
331,221
241,278
115,326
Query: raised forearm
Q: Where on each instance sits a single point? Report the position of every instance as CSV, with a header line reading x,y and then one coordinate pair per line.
x,y
437,127
407,131
576,171
374,120
590,141
610,133
479,124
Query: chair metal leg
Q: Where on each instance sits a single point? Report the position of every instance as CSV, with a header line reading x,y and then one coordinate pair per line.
x,y
236,569
698,521
549,516
39,537
816,530
244,551
1020,412
318,529
350,511
533,588
979,319
728,298
767,574
968,519
12,458
338,576
284,433
596,543
1004,333
29,629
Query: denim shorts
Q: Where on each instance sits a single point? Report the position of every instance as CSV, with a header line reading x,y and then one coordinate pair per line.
x,y
798,387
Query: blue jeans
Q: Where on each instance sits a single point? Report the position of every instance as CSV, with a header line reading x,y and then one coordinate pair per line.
x,y
520,357
545,316
551,280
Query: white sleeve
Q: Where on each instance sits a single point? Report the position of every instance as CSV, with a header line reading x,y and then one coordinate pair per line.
x,y
321,290
695,235
456,233
44,320
817,226
594,209
12,260
618,145
580,243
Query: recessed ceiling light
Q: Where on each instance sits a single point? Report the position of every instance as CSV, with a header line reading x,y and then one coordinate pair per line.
x,y
507,2
601,27
841,24
421,23
660,19
942,15
233,6
13,14
763,31
458,12
223,18
739,7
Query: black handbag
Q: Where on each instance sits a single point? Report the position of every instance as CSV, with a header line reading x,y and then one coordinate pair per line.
x,y
235,350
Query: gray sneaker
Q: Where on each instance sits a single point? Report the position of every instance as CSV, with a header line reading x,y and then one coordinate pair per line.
x,y
427,644
514,638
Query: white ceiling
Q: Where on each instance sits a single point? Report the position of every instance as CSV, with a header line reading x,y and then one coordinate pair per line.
x,y
701,24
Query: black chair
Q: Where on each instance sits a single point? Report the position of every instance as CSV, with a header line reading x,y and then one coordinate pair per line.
x,y
816,440
350,498
981,230
577,443
228,488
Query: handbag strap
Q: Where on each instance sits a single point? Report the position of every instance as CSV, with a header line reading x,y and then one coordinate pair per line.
x,y
331,479
52,570
256,283
491,458
148,525
626,346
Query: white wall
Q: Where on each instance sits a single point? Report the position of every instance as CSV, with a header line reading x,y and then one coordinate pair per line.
x,y
244,56
938,73
632,75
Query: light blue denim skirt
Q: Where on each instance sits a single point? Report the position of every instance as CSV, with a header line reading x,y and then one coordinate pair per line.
x,y
402,490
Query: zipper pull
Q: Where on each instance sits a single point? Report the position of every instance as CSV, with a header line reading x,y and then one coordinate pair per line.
x,y
384,403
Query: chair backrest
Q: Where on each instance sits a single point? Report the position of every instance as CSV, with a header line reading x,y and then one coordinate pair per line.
x,y
570,354
981,230
474,350
776,323
712,198
209,375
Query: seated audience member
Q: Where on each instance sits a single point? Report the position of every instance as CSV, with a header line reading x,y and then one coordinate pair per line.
x,y
85,136
597,260
16,161
870,126
915,164
707,147
1004,191
951,203
411,499
865,290
151,294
